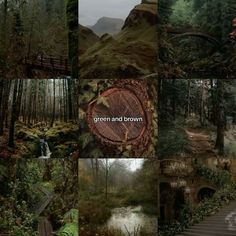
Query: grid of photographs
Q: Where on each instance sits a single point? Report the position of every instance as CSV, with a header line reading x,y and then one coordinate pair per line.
x,y
117,118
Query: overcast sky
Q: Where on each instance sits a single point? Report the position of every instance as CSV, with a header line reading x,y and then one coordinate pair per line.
x,y
132,164
91,10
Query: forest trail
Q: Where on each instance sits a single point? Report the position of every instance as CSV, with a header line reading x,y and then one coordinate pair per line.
x,y
200,142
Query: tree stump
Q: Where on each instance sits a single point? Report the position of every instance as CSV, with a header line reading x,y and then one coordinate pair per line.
x,y
121,115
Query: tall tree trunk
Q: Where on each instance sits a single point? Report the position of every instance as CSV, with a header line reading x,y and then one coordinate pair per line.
x,y
106,190
213,100
220,117
97,184
72,23
65,100
4,26
189,98
4,107
70,108
13,115
173,100
54,103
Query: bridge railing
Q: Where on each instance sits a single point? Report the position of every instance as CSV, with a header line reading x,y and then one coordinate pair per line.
x,y
50,62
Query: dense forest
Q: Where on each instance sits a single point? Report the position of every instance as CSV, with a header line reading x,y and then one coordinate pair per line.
x,y
36,27
118,197
39,40
197,118
38,118
39,196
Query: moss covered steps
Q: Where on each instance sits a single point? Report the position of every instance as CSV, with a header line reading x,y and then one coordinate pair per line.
x,y
222,223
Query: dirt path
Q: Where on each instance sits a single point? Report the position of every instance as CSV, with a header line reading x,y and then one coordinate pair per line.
x,y
200,142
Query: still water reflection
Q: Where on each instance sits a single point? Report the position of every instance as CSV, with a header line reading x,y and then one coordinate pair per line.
x,y
129,219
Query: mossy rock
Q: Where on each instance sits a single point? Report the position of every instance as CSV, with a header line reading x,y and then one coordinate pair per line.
x,y
61,133
59,151
32,148
63,150
27,134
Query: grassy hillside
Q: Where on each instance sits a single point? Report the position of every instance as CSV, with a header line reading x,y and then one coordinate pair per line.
x,y
129,54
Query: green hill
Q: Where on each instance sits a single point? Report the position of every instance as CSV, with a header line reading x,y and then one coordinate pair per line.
x,y
129,54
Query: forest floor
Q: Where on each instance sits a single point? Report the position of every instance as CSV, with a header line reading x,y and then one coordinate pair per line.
x,y
230,142
201,143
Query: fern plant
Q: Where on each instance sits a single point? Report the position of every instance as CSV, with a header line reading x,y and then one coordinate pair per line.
x,y
70,227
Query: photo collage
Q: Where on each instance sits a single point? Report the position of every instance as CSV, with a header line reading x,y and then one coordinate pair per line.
x,y
117,118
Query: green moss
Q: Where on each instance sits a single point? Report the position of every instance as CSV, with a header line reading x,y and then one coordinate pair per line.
x,y
27,134
69,229
131,53
62,132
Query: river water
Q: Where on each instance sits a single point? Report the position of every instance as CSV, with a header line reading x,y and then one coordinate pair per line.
x,y
130,219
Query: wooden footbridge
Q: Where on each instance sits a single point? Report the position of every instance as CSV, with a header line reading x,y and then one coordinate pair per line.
x,y
56,65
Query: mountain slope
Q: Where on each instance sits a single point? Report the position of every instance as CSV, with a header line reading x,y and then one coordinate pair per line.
x,y
129,54
87,38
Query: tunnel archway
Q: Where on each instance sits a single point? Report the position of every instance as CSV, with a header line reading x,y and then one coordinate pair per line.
x,y
205,192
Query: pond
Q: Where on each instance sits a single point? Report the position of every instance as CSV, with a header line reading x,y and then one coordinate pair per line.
x,y
130,219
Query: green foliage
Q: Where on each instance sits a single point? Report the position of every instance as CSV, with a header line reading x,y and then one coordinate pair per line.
x,y
165,9
173,140
69,229
93,213
15,217
215,16
71,219
103,101
182,14
218,177
71,216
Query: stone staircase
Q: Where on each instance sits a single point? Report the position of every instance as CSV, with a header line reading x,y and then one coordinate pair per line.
x,y
221,224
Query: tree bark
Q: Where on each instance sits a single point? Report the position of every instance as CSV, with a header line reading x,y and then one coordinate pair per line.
x,y
54,103
220,117
13,115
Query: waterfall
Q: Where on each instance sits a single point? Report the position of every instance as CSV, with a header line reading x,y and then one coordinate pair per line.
x,y
48,153
41,146
45,150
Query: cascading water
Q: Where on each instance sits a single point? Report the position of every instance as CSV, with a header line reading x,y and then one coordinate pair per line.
x,y
45,150
48,152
